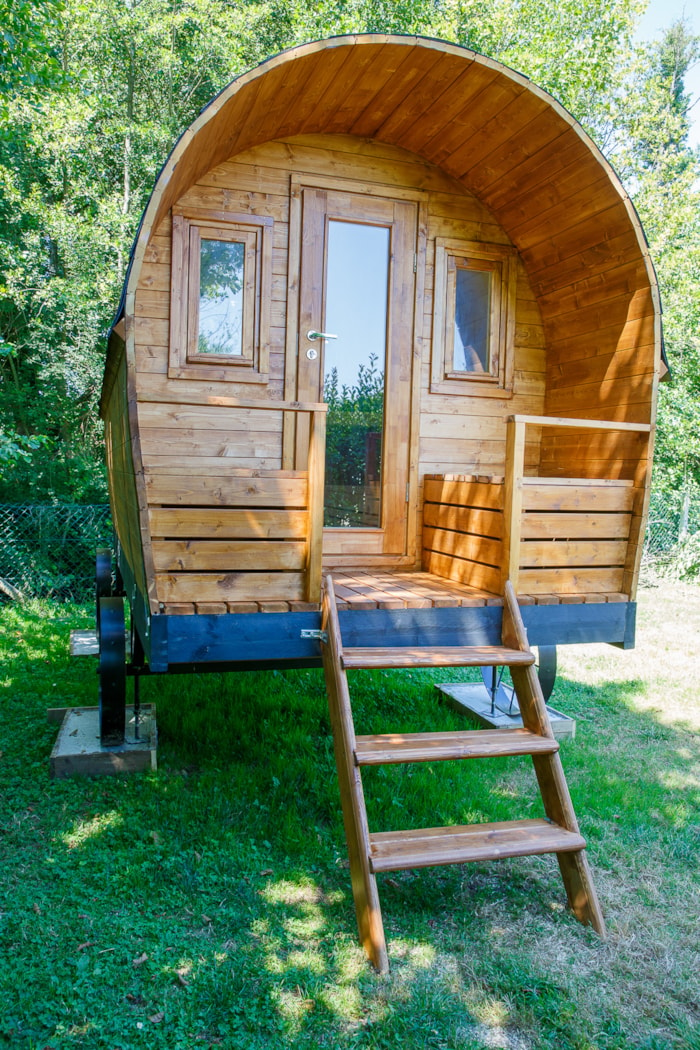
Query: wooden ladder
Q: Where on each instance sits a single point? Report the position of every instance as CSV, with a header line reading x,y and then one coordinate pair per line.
x,y
397,850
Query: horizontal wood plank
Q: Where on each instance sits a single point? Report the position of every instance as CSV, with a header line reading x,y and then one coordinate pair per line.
x,y
584,496
424,847
388,748
249,491
437,656
463,545
570,581
464,493
187,523
464,519
471,573
237,446
215,467
583,424
561,552
186,417
230,587
558,525
227,555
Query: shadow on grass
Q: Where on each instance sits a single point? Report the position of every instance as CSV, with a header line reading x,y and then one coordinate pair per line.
x,y
208,904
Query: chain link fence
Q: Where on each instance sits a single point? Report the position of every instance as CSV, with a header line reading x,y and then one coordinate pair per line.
x,y
672,541
48,550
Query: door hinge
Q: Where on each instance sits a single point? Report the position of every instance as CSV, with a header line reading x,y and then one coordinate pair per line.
x,y
312,633
415,262
408,489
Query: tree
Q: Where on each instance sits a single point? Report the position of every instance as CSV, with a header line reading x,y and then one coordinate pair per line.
x,y
663,172
95,95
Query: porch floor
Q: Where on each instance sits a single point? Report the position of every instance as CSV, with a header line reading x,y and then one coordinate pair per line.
x,y
364,588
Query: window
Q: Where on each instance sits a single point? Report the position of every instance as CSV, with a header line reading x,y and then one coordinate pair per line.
x,y
473,318
220,293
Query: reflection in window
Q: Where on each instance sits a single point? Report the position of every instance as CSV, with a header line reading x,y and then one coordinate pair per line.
x,y
472,320
221,278
357,277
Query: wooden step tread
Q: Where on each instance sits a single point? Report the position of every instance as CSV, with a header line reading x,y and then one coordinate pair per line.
x,y
437,656
423,847
387,748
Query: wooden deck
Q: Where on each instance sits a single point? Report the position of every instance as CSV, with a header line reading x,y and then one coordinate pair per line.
x,y
367,589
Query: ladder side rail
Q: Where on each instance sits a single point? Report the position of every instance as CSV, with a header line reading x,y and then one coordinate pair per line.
x,y
574,867
525,681
364,882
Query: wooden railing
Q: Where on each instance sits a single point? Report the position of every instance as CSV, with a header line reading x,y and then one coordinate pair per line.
x,y
264,561
463,529
566,534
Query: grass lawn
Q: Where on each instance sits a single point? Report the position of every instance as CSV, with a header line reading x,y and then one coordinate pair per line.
x,y
208,903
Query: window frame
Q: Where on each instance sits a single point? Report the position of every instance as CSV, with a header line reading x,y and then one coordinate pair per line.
x,y
189,228
501,262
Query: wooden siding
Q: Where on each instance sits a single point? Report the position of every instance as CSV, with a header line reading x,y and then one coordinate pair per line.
x,y
463,530
121,475
572,534
500,136
192,452
254,546
489,158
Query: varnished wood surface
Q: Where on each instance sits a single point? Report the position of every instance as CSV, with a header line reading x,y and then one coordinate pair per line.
x,y
228,555
231,586
520,152
463,527
401,849
437,656
580,889
388,748
483,156
424,847
364,884
361,588
188,523
122,477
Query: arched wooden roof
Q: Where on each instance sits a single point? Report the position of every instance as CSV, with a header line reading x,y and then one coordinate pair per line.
x,y
507,141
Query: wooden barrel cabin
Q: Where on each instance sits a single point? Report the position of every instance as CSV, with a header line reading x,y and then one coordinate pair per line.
x,y
390,316
389,313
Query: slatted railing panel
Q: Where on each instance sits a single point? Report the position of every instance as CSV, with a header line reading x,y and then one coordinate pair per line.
x,y
573,535
252,546
232,534
463,529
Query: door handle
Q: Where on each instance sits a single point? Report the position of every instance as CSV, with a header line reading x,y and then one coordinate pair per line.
x,y
320,335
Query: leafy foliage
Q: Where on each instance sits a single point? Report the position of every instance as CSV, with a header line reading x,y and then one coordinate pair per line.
x,y
685,564
354,446
665,174
93,97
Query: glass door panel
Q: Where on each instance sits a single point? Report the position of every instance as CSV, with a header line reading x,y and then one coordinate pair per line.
x,y
357,275
355,351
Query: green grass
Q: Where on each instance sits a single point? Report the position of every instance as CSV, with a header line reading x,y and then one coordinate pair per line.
x,y
208,903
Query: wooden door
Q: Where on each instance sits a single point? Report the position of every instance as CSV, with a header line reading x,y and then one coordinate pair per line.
x,y
355,342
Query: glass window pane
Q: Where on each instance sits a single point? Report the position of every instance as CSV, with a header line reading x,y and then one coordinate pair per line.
x,y
472,315
221,277
357,278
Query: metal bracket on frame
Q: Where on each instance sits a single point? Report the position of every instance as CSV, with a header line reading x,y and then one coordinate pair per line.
x,y
322,636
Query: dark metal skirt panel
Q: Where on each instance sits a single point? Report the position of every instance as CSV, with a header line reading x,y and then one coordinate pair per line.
x,y
274,639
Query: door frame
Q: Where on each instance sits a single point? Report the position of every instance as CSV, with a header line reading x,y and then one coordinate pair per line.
x,y
366,549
